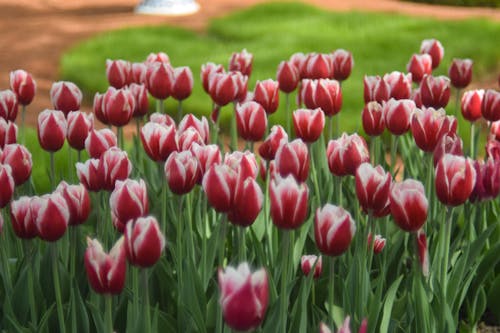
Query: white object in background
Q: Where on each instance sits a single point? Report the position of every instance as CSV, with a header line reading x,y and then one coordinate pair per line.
x,y
167,7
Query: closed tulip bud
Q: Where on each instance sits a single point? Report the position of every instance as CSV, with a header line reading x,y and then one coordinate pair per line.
x,y
334,229
98,141
460,72
8,132
346,154
490,107
223,88
244,163
319,66
292,158
409,205
114,165
419,66
207,156
247,202
118,106
159,80
373,186
434,48
299,60
428,126
22,222
308,124
206,71
141,105
378,243
450,143
158,140
241,62
8,105
218,184
289,201
106,272
372,119
288,76
129,200
138,72
423,253
7,185
251,121
144,242
79,126
78,201
23,85
182,84
200,125
98,109
52,129
118,73
161,57
397,115
90,175
274,140
266,93
65,96
455,179
435,91
244,296
307,263
471,104
376,89
342,62
162,119
182,172
327,95
19,159
187,138
399,85
487,184
51,215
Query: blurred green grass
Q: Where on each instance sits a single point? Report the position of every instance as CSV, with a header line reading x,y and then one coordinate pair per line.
x,y
380,43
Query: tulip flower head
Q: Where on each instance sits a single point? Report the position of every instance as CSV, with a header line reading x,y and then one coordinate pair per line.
x,y
490,107
78,201
98,141
8,133
144,242
66,96
372,119
8,105
307,263
419,66
346,154
79,124
23,85
241,62
334,229
19,159
342,62
118,73
289,202
292,158
51,215
409,205
434,48
22,221
288,76
455,179
373,187
460,73
274,140
471,104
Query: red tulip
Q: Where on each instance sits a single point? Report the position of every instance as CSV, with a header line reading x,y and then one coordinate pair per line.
x,y
373,186
460,73
490,107
274,140
495,130
79,126
207,156
129,200
288,76
90,175
65,96
292,158
346,154
141,105
52,129
493,149
182,84
450,143
19,159
138,72
251,121
318,66
218,184
244,163
417,98
98,110
159,79
159,141
106,272
206,71
243,296
487,184
455,179
187,138
342,64
118,73
200,125
435,91
114,165
289,201
419,66
8,105
324,93
266,93
8,132
144,242
299,60
399,85
98,141
372,119
157,57
51,215
471,104
7,185
307,262
162,119
397,115
376,89
241,62
428,126
423,253
409,205
22,222
378,243
334,229
308,124
118,106
223,88
23,85
247,202
78,201
182,172
434,48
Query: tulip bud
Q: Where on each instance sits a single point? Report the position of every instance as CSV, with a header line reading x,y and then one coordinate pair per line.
x,y
493,149
334,229
159,79
342,62
98,109
187,138
373,186
89,174
376,89
23,85
434,48
288,76
308,124
138,72
423,253
51,215
118,106
274,140
346,153
455,179
223,88
160,57
397,115
244,163
8,132
79,126
399,85
299,60
428,126
207,156
372,118
106,272
288,201
118,73
162,119
490,107
129,200
243,296
52,129
19,159
435,91
460,73
241,62
471,104
141,105
78,201
159,141
247,202
409,205
8,105
182,172
318,66
292,158
307,263
251,121
7,185
419,66
182,84
218,184
266,93
417,98
206,71
325,94
98,141
200,125
378,243
22,222
114,165
65,96
144,242
487,184
450,143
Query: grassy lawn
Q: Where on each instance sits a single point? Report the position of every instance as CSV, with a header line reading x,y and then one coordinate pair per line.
x,y
380,43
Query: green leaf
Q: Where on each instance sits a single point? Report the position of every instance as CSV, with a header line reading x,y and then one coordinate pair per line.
x,y
389,301
494,298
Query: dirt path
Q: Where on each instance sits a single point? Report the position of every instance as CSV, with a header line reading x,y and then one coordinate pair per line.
x,y
35,33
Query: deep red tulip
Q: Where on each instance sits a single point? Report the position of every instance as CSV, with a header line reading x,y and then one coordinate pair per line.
x,y
318,66
423,253
23,85
308,124
378,243
307,263
51,215
373,186
98,110
372,119
7,185
274,140
247,202
266,93
158,140
98,141
471,104
118,73
8,105
419,66
435,91
434,48
244,296
490,108
399,85
241,62
218,184
346,154
207,156
161,57
65,96
244,163
288,76
455,179
289,201
114,165
397,115
409,205
182,84
106,272
334,229
487,184
223,88
8,132
206,71
79,124
163,119
376,89
342,62
90,175
129,200
78,201
493,149
182,172
138,72
141,105
144,242
460,72
292,158
428,126
200,125
19,159
22,222
52,128
449,143
118,106
251,121
159,79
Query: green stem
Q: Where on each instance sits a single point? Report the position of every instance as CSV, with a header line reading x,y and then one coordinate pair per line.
x,y
472,141
57,287
222,244
234,132
268,230
5,263
330,128
428,184
457,103
79,155
135,292
179,111
394,150
314,175
189,224
372,150
31,290
70,163
119,134
145,301
52,171
284,279
446,248
73,244
288,116
331,291
23,130
242,257
164,200
160,106
109,313
337,126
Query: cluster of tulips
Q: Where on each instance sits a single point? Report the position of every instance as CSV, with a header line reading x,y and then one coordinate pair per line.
x,y
220,212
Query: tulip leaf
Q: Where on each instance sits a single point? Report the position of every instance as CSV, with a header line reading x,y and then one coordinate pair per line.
x,y
44,322
19,297
97,316
494,298
389,301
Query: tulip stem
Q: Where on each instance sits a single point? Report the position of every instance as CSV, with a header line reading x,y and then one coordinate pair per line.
x,y
57,287
234,132
109,313
284,278
23,117
164,208
457,103
79,155
179,111
52,171
160,107
145,301
394,150
6,277
446,251
330,128
430,172
31,290
119,133
189,224
472,141
288,115
332,288
242,248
